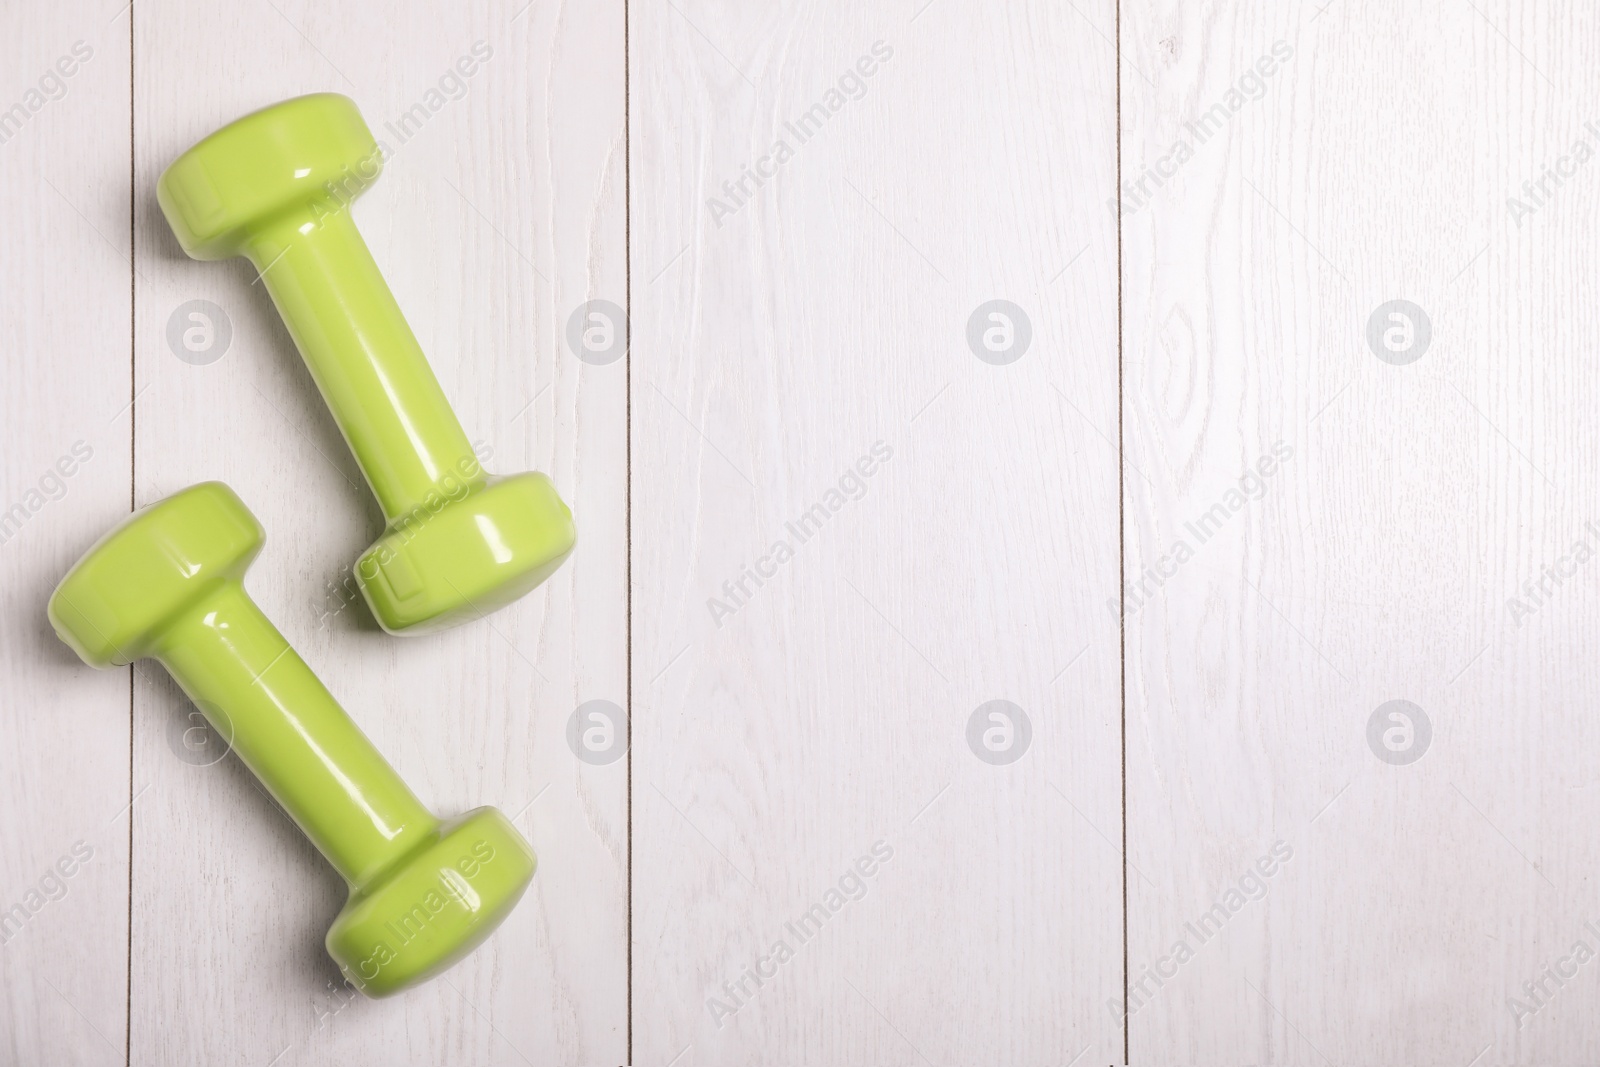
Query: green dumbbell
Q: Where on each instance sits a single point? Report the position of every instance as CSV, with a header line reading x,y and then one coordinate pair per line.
x,y
168,584
277,186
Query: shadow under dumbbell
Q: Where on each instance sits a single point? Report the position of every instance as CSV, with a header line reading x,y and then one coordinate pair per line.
x,y
317,424
24,610
318,891
300,412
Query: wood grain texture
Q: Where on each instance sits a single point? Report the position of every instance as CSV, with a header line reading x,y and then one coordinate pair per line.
x,y
64,477
846,532
1378,562
783,330
492,222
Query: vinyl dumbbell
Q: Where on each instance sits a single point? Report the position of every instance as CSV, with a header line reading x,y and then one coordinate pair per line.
x,y
276,186
168,584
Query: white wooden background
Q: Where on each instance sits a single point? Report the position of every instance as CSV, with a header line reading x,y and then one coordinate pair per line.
x,y
781,333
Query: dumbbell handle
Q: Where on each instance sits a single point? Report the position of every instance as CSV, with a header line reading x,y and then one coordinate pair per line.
x,y
293,735
364,357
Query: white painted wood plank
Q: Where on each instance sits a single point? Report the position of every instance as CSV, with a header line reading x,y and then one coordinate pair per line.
x,y
492,224
1376,565
64,478
784,332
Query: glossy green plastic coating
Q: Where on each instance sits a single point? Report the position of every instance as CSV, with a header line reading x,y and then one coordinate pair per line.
x,y
167,584
277,186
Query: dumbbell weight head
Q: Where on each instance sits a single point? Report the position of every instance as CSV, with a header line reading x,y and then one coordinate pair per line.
x,y
167,583
277,186
116,604
297,161
436,567
435,907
